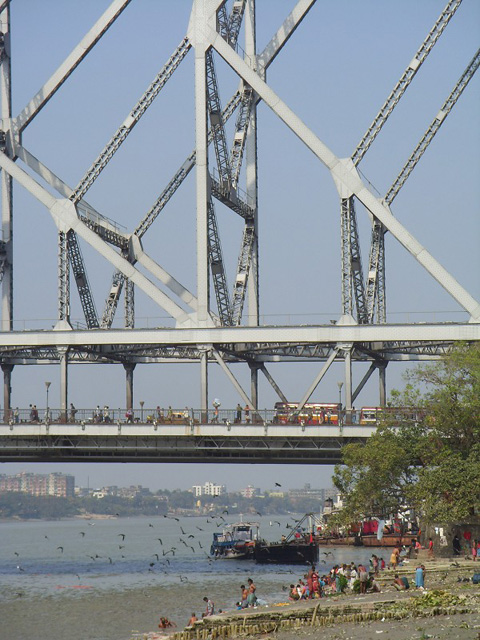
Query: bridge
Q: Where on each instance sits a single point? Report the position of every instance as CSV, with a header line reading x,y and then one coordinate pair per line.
x,y
222,330
265,443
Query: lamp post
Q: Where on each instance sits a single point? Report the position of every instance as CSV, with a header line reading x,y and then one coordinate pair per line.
x,y
340,385
47,387
142,402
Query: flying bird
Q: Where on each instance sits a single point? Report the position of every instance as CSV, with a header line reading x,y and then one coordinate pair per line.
x,y
61,549
20,568
199,528
277,484
155,555
122,535
16,553
225,511
192,549
150,525
160,540
183,532
81,533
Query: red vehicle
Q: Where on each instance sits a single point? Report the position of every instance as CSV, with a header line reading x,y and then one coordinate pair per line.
x,y
312,413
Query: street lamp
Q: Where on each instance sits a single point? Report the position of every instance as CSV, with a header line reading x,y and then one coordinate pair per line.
x,y
340,385
142,402
47,386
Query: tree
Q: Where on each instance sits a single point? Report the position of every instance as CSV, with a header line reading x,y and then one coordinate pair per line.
x,y
427,457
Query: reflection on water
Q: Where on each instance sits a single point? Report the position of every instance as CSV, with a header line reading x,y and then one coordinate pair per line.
x,y
154,564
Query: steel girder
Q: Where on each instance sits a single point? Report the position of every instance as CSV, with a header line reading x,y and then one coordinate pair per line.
x,y
376,269
292,449
371,297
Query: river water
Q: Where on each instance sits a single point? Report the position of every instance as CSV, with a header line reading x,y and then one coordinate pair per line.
x,y
103,579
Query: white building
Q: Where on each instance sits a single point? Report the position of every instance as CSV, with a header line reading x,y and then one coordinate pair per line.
x,y
209,489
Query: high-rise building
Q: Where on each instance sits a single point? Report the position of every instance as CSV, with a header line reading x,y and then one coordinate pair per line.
x,y
209,489
35,484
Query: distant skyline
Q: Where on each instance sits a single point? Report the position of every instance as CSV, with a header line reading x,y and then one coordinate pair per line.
x,y
157,476
335,73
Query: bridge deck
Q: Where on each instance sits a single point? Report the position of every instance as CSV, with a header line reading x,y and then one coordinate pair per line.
x,y
177,443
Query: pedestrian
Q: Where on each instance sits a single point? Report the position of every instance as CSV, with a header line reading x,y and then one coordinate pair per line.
x,y
394,558
431,554
244,597
165,623
238,418
106,414
363,577
129,415
210,606
16,416
193,619
251,598
73,412
293,595
420,577
456,545
186,415
170,414
247,414
474,550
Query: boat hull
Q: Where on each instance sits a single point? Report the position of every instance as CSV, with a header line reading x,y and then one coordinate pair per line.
x,y
286,553
389,540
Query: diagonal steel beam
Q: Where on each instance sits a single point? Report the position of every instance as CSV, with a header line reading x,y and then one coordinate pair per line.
x,y
66,218
348,177
41,98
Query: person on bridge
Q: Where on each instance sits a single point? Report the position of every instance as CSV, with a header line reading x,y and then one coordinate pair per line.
x,y
129,415
247,414
238,418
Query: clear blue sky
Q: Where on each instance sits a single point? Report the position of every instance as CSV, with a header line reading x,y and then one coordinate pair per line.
x,y
335,73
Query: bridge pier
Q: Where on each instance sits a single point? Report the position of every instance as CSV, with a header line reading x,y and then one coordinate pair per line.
x,y
204,386
382,380
7,391
348,386
63,356
129,369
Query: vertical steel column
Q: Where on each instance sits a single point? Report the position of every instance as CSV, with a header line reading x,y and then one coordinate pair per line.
x,y
63,278
7,391
129,368
63,357
6,179
346,250
202,184
204,386
251,169
254,385
382,380
252,189
129,304
348,386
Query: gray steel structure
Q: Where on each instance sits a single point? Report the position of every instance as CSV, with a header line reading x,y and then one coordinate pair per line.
x,y
198,443
204,334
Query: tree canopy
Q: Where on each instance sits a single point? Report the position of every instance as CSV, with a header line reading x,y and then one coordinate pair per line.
x,y
426,458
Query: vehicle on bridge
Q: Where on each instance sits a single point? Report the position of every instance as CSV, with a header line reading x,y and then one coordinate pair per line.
x,y
311,413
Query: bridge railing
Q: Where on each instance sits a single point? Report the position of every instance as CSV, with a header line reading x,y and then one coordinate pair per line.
x,y
190,416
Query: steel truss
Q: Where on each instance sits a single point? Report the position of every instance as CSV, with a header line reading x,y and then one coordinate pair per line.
x,y
220,335
270,448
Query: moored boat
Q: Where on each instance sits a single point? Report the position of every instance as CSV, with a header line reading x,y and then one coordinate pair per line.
x,y
236,542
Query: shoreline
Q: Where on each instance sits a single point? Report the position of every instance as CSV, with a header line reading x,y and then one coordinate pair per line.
x,y
446,595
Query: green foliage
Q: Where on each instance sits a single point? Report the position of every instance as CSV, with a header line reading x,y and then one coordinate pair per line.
x,y
427,458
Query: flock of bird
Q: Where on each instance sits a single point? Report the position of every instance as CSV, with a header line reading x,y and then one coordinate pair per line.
x,y
161,558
